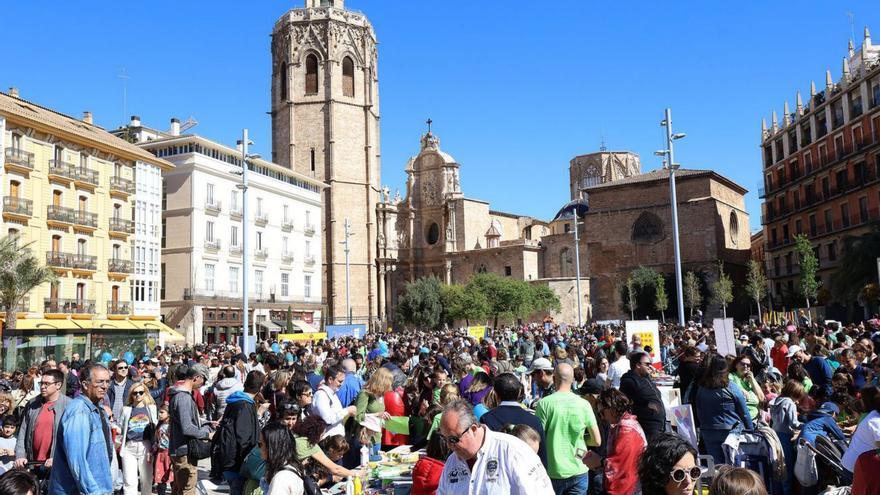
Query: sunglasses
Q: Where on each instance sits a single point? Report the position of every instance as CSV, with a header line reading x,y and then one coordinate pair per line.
x,y
692,473
746,365
453,440
139,392
120,368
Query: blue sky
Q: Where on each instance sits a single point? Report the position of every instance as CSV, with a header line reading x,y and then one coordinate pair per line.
x,y
515,89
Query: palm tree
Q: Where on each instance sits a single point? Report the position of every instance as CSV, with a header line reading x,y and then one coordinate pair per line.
x,y
20,273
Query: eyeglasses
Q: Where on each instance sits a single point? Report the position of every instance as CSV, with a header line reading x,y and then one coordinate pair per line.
x,y
456,438
306,394
692,473
48,383
746,365
100,383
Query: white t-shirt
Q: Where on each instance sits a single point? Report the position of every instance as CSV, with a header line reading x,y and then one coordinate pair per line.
x,y
617,370
326,404
286,482
504,464
866,437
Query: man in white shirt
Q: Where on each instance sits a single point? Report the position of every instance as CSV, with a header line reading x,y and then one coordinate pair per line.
x,y
620,367
327,405
486,462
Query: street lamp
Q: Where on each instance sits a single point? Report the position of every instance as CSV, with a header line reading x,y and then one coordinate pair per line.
x,y
243,187
576,208
670,164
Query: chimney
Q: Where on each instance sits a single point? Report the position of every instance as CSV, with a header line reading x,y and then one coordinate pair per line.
x,y
87,117
13,92
135,121
175,126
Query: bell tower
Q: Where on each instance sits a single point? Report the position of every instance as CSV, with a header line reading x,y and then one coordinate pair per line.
x,y
325,124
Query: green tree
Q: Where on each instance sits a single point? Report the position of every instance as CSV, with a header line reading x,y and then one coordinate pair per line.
x,y
507,298
463,302
631,297
722,290
542,298
20,273
809,264
693,298
756,285
420,303
661,299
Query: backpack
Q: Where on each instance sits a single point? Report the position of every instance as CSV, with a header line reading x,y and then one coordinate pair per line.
x,y
310,487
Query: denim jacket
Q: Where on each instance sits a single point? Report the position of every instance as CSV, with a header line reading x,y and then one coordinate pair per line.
x,y
722,408
81,465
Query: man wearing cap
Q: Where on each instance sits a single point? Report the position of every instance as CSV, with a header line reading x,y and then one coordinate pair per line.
x,y
823,422
541,372
816,366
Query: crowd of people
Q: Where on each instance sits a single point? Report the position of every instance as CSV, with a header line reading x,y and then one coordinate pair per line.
x,y
535,409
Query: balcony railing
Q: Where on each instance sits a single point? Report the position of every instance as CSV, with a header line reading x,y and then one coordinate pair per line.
x,y
121,225
309,259
61,168
261,219
287,257
18,206
58,259
118,308
235,212
235,250
68,306
212,244
122,184
116,265
60,214
85,218
86,175
309,229
261,253
213,206
287,224
19,157
84,262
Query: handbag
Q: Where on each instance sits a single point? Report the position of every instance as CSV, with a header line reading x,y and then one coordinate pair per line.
x,y
805,469
198,449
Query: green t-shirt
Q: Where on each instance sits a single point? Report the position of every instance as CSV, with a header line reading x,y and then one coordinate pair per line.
x,y
304,450
749,392
565,417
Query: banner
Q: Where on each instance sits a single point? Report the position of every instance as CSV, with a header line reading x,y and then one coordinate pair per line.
x,y
649,332
300,337
356,331
724,341
477,332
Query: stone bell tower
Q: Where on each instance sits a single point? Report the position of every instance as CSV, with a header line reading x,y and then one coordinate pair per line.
x,y
325,124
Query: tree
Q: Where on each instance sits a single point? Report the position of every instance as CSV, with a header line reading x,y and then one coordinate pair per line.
x,y
631,297
542,298
661,299
756,284
20,273
809,266
507,298
420,303
722,290
693,298
463,302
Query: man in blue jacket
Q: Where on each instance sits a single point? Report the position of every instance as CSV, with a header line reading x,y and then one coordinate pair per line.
x,y
82,457
511,412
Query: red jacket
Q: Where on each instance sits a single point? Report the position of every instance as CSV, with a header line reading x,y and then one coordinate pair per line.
x,y
426,476
394,407
626,442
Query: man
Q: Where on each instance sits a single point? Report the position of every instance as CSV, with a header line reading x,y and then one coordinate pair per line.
x,y
637,343
352,385
566,418
816,366
71,381
226,385
485,462
509,390
119,388
541,372
688,367
238,432
82,458
327,404
527,349
620,366
39,427
184,427
647,403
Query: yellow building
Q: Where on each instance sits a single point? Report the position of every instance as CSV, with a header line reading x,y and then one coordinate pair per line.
x,y
71,192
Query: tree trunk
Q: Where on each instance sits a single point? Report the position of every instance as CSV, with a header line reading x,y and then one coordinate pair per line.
x,y
495,323
758,302
808,303
663,316
724,310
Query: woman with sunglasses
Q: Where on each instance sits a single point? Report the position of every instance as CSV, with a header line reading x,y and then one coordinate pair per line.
x,y
139,419
742,374
668,466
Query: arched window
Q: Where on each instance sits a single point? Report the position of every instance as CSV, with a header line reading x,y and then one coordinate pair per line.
x,y
347,77
282,80
311,74
647,229
734,228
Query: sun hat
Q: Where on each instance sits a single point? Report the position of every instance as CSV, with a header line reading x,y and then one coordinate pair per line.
x,y
372,422
793,350
542,364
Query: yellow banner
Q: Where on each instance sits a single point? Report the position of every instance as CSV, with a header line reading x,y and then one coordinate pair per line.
x,y
297,337
477,332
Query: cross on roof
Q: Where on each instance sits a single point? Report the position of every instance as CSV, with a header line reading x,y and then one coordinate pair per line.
x,y
429,122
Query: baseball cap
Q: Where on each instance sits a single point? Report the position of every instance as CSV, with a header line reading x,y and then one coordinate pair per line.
x,y
593,386
744,337
829,408
793,350
542,364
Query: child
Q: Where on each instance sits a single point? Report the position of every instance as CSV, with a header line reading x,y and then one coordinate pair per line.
x,y
162,473
440,379
525,433
7,444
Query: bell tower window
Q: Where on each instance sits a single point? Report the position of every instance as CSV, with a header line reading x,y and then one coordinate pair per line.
x,y
347,77
282,80
311,74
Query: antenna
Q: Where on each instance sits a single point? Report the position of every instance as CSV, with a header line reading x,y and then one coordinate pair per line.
x,y
125,77
602,146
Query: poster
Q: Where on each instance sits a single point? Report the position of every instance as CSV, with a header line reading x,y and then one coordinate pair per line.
x,y
649,331
724,341
297,337
683,420
356,331
477,332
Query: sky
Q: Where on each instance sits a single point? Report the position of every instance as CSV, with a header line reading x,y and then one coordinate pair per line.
x,y
515,89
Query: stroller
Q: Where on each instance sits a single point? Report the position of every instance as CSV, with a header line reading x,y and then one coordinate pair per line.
x,y
759,451
829,462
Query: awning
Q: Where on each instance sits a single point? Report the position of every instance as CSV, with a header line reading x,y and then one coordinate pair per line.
x,y
171,335
270,326
303,326
151,326
44,324
106,325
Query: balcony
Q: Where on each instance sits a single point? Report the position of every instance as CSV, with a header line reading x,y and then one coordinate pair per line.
x,y
83,176
261,254
60,214
19,160
118,308
213,206
309,229
82,218
212,245
235,212
121,226
68,306
235,250
287,257
309,260
261,219
121,185
116,265
61,170
83,262
287,225
16,207
57,259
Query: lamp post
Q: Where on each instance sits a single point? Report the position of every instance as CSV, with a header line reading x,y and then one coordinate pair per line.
x,y
348,233
245,254
672,166
577,265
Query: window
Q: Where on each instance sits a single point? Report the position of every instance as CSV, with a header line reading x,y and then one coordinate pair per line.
x,y
813,226
209,194
798,227
863,209
285,284
13,235
312,159
734,228
162,284
282,80
308,250
284,245
647,229
307,286
433,234
507,271
308,218
837,113
844,215
163,232
259,241
233,236
785,237
233,279
347,77
259,207
311,74
286,213
209,231
828,226
841,181
16,141
258,282
826,188
838,147
233,201
776,266
209,276
832,251
117,252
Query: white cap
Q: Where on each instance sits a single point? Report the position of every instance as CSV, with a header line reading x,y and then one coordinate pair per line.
x,y
793,350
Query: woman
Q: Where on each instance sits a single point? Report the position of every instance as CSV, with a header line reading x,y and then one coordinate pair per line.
x,y
669,466
479,387
737,481
370,400
284,473
757,356
307,434
336,447
741,373
625,443
22,395
783,412
720,406
602,369
302,393
867,434
138,421
279,391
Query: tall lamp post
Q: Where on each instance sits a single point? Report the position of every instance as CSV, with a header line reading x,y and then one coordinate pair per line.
x,y
672,167
348,234
576,208
245,244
